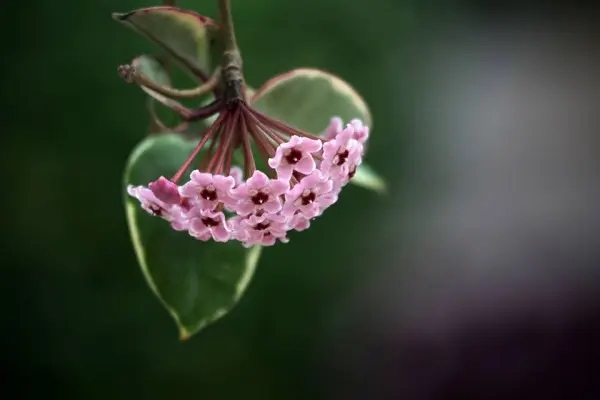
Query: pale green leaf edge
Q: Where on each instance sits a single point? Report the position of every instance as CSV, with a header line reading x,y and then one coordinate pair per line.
x,y
367,178
252,258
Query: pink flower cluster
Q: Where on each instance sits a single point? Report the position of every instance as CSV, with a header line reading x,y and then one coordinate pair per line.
x,y
260,210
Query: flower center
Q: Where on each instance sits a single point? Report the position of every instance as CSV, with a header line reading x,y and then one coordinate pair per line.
x,y
156,210
260,198
210,222
308,197
261,226
209,193
293,156
342,157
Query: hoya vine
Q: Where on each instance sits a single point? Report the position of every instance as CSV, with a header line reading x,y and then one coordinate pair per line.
x,y
257,169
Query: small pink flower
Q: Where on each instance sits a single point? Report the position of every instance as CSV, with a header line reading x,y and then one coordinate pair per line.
x,y
298,222
313,194
209,189
259,193
181,219
295,155
165,190
335,126
237,174
264,230
239,230
360,132
205,224
151,204
181,223
341,156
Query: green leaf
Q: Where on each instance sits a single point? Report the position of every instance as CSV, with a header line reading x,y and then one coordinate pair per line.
x,y
183,34
369,179
307,99
198,282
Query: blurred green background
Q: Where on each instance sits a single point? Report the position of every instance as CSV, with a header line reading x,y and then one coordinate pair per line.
x,y
78,320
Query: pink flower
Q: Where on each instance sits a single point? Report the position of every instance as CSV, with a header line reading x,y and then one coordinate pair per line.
x,y
238,227
182,223
237,175
205,224
209,189
360,132
259,193
298,222
165,190
313,194
295,155
152,204
263,230
335,126
341,156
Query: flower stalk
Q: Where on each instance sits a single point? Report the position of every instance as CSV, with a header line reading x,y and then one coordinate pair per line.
x,y
232,58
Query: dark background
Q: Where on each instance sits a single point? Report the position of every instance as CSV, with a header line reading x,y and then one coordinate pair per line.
x,y
476,277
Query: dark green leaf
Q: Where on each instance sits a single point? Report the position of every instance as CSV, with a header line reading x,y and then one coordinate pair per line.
x,y
198,282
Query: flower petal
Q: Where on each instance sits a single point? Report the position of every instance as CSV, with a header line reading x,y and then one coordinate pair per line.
x,y
306,165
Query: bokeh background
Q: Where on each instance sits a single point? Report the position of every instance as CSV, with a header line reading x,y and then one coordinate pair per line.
x,y
475,277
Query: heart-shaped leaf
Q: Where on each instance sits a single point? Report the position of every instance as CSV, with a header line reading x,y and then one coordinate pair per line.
x,y
183,34
307,99
198,282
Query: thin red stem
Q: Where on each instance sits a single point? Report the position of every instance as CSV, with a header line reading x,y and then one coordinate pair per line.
x,y
209,153
216,163
274,135
206,111
273,123
262,144
228,146
227,160
198,147
214,158
249,164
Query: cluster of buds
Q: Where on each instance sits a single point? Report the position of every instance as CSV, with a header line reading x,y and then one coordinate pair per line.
x,y
223,202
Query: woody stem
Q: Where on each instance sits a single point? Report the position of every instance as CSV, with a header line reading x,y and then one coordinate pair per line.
x,y
231,62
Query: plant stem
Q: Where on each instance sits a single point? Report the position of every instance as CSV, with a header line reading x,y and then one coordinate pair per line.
x,y
137,76
227,25
232,59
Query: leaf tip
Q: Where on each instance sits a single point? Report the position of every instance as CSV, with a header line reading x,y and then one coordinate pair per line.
x,y
120,16
380,187
184,334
